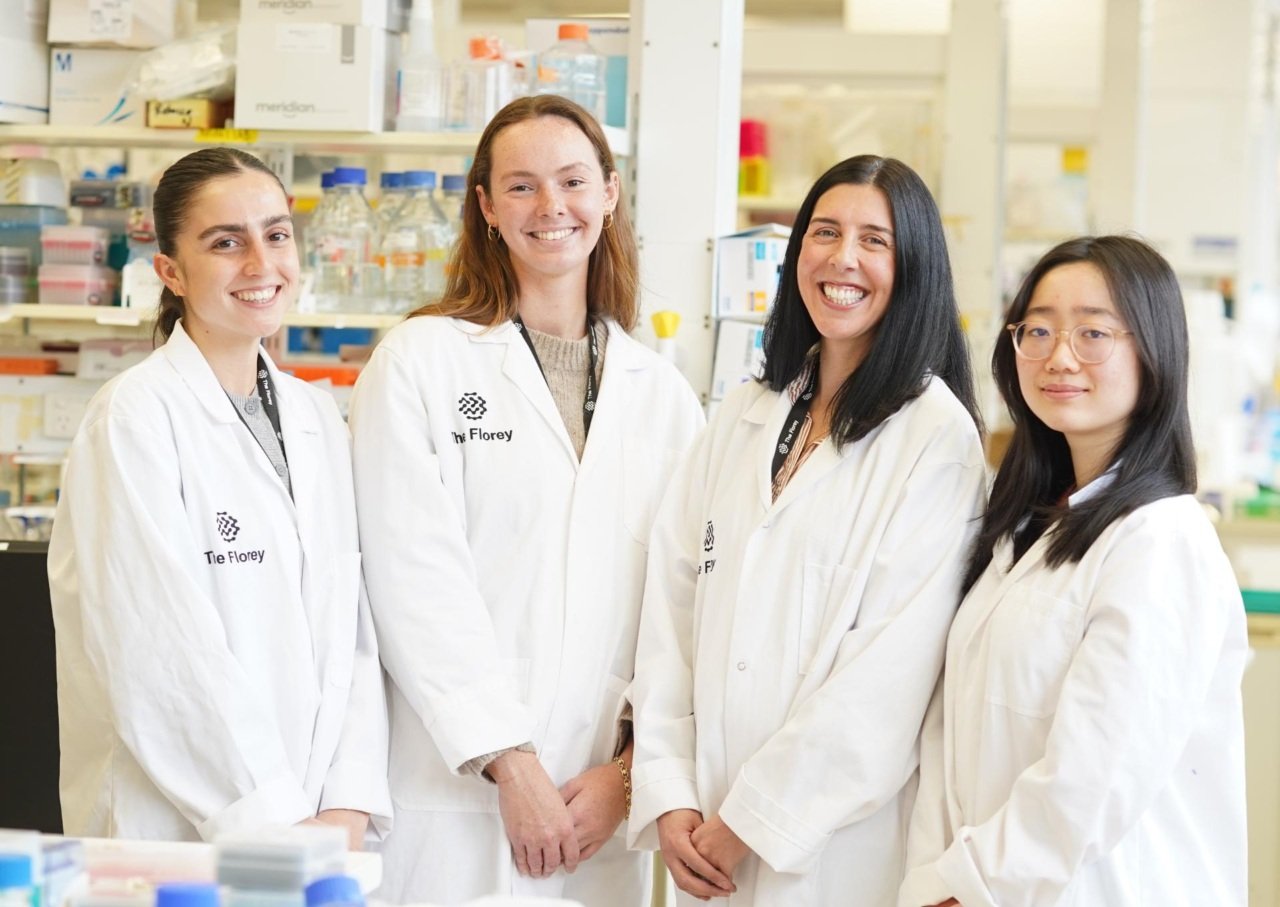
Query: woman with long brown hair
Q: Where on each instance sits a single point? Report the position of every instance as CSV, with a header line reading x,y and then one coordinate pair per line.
x,y
511,445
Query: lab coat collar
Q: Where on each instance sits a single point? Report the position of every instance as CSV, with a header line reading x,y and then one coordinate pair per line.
x,y
776,408
1094,488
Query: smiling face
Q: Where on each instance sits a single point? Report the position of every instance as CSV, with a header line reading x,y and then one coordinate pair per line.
x,y
1089,403
548,197
235,263
846,268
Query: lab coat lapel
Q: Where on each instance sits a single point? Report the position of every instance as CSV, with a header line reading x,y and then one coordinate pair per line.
x,y
522,369
620,358
769,411
987,602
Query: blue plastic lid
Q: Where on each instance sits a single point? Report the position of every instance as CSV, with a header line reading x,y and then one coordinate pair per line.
x,y
187,894
420,179
15,870
454,182
347,176
391,180
334,890
326,180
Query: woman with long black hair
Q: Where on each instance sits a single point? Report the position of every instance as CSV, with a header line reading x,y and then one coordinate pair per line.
x,y
805,566
1088,745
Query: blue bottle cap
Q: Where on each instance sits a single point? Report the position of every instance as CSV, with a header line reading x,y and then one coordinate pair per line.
x,y
187,894
347,176
334,890
454,182
326,179
15,870
391,180
420,179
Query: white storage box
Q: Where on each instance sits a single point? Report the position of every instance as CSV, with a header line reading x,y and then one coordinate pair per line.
x,y
87,87
125,23
24,78
392,15
748,265
334,77
739,356
77,285
32,181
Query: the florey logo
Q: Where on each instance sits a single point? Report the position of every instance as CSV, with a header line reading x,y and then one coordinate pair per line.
x,y
228,528
472,406
709,540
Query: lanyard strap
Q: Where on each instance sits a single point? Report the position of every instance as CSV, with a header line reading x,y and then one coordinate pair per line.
x,y
267,395
589,398
795,419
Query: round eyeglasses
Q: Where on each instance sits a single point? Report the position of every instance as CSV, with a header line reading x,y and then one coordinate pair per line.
x,y
1090,343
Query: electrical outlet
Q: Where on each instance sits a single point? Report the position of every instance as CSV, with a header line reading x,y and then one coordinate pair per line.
x,y
63,413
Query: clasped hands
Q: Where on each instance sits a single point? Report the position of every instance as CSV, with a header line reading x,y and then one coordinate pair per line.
x,y
550,828
701,856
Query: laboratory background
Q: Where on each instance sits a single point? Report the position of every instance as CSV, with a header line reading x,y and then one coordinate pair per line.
x,y
1031,121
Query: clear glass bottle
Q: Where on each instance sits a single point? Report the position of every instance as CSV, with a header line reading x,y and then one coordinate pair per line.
x,y
482,85
415,246
347,277
573,69
453,193
422,83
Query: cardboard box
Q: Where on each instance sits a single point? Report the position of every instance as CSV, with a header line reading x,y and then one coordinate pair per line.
x,y
87,87
739,355
122,23
607,35
24,80
331,77
392,15
748,265
188,113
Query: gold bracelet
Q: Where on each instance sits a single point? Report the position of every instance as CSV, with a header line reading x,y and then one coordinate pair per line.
x,y
626,784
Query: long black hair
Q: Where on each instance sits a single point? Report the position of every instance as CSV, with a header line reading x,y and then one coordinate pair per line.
x,y
920,332
1154,459
173,197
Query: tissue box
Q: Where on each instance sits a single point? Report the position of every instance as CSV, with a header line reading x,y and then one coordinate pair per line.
x,y
87,87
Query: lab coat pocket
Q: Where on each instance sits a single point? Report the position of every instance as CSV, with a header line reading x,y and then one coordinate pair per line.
x,y
1033,637
829,598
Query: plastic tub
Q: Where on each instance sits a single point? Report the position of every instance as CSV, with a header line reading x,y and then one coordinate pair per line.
x,y
77,285
74,245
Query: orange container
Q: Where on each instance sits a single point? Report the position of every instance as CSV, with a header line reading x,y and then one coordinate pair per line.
x,y
23,365
341,376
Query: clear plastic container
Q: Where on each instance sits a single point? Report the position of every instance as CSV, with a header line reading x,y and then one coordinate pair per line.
x,y
482,85
347,276
416,246
66,245
281,862
453,193
572,69
422,83
315,221
77,285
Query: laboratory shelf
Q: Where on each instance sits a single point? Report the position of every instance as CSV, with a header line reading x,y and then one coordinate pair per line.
x,y
460,143
128,317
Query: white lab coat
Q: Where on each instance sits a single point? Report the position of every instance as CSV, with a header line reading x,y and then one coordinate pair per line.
x,y
216,662
788,650
506,579
1088,745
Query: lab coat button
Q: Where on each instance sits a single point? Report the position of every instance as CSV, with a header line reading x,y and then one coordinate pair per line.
x,y
742,666
251,406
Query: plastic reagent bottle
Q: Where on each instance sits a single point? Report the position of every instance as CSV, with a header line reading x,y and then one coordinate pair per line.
x,y
572,69
422,83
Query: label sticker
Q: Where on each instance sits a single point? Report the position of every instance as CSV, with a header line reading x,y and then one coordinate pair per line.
x,y
304,39
111,19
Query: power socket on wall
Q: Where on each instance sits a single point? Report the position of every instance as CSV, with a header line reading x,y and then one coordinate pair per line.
x,y
63,414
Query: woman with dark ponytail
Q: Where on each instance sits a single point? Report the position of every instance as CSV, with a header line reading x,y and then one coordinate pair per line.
x,y
217,669
1087,746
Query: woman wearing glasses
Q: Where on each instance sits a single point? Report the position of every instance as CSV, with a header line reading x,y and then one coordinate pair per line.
x,y
805,566
1088,746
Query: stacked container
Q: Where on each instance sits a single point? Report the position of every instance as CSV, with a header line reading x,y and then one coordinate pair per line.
x,y
74,271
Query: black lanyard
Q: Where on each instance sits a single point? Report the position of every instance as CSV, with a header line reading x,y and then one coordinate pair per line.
x,y
267,395
795,419
589,398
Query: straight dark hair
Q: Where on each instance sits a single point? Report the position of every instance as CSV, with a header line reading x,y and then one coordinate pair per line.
x,y
1154,459
174,195
920,333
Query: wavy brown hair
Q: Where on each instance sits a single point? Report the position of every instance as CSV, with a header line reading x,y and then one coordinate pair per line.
x,y
482,287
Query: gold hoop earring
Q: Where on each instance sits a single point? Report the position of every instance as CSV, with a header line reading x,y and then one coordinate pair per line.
x,y
608,220
494,233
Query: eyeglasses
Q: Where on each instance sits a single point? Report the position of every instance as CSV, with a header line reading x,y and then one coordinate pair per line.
x,y
1090,343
